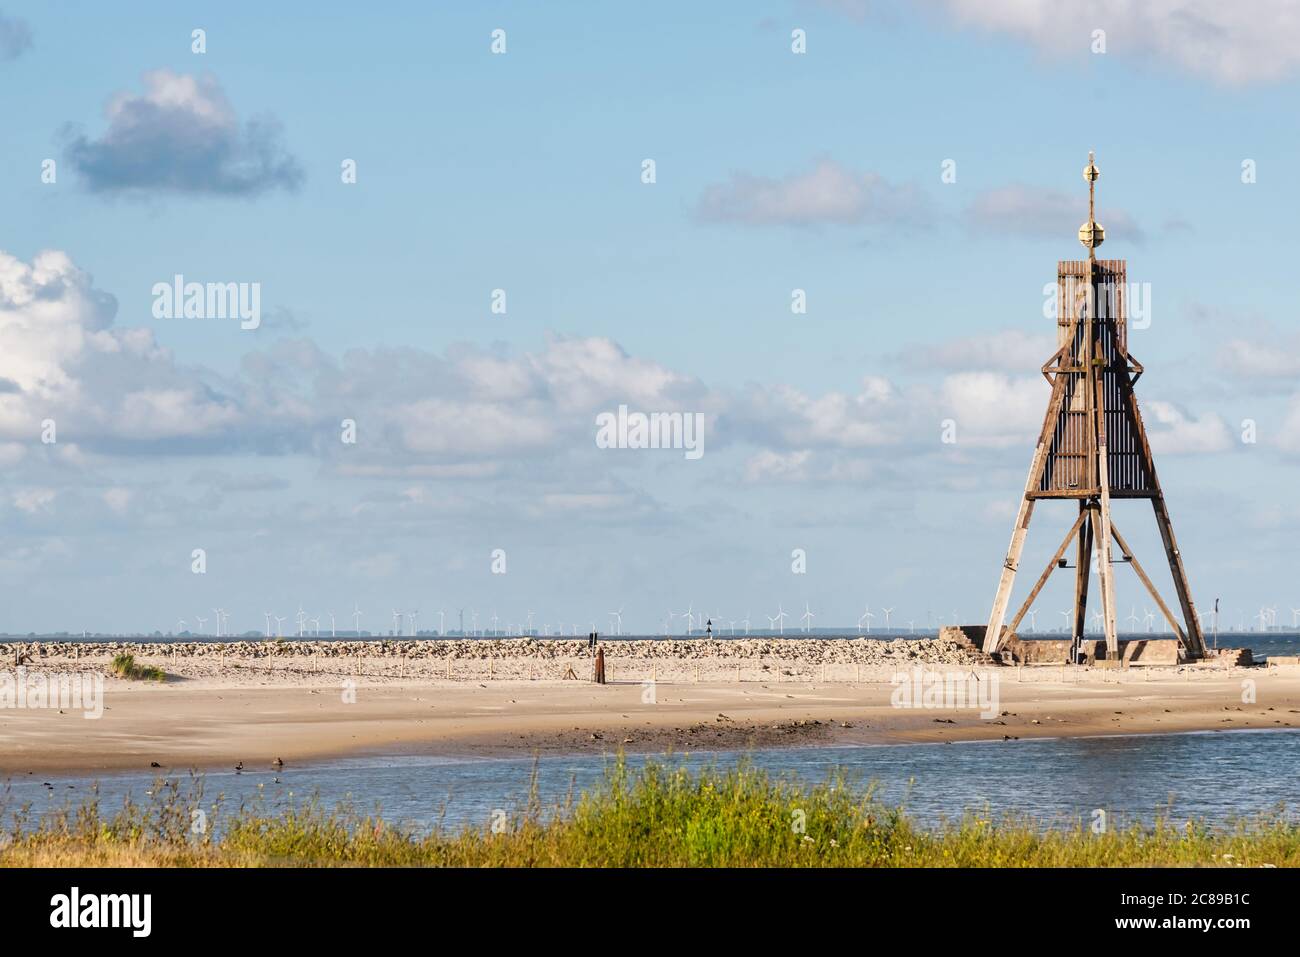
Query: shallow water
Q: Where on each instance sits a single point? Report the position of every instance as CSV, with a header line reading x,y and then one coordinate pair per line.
x,y
1213,775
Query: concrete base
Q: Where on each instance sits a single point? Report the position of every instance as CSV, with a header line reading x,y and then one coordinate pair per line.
x,y
1056,651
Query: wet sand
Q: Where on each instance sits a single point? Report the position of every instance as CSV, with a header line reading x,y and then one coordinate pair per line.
x,y
255,717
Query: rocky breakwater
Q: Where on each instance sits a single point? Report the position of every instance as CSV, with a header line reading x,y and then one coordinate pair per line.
x,y
862,651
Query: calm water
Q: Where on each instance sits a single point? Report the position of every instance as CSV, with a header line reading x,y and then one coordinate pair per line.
x,y
1213,775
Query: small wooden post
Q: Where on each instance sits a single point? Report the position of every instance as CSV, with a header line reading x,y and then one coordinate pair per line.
x,y
654,671
491,668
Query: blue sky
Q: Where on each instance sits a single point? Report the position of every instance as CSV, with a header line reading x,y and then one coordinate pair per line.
x,y
775,171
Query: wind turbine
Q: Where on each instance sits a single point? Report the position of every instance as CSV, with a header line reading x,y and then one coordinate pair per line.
x,y
1132,618
746,623
618,619
1150,618
732,623
302,619
442,621
473,623
866,616
315,627
806,618
332,635
356,618
1096,620
888,612
1262,618
1295,617
414,618
780,619
200,621
911,626
495,619
1066,615
268,623
279,633
530,622
217,612
182,625
1033,620
397,622
690,619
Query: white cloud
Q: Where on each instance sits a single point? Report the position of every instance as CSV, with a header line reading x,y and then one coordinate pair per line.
x,y
771,466
63,360
181,134
992,409
33,500
1264,357
1234,44
827,194
1172,430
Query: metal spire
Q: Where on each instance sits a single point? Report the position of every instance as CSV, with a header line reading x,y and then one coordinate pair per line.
x,y
1092,234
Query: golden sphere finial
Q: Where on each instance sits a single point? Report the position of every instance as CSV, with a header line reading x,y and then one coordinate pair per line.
x,y
1092,234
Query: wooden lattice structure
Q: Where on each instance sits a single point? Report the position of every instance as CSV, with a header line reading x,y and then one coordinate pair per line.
x,y
1093,449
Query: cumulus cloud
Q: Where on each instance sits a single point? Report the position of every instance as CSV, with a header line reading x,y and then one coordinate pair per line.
x,y
1224,42
15,38
468,414
1172,430
1265,357
114,390
992,409
827,194
64,360
182,135
1037,212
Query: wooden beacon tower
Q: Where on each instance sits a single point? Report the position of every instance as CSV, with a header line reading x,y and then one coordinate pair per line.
x,y
1093,449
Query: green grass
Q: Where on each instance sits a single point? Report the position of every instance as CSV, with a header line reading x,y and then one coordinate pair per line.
x,y
659,816
124,666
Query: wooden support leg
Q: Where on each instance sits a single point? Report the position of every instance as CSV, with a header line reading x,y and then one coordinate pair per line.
x,y
993,634
1106,576
1084,566
1195,640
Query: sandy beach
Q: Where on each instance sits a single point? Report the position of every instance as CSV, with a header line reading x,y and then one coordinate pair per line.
x,y
219,710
